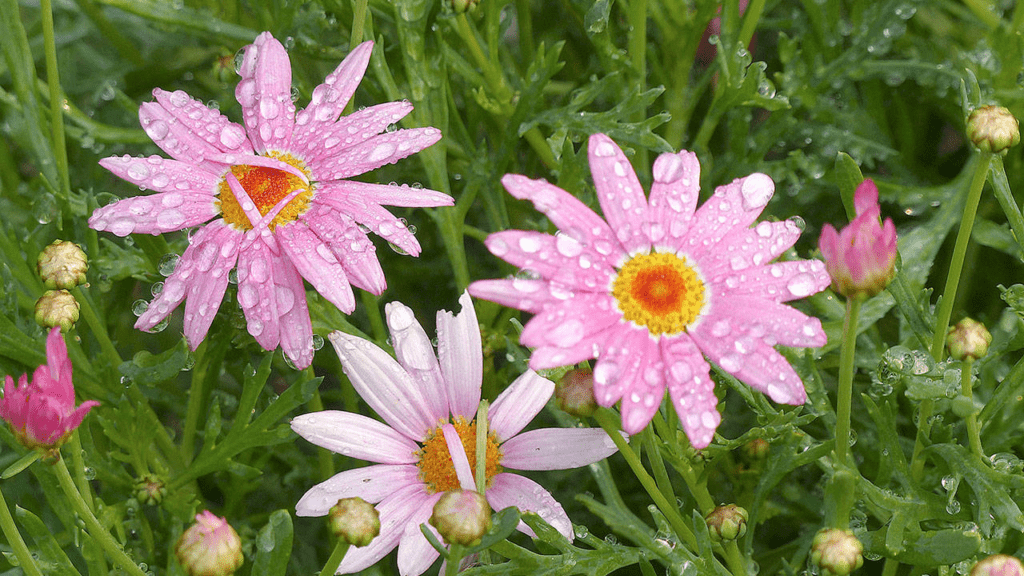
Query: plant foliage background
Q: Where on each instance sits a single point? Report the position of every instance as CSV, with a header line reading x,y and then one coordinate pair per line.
x,y
808,92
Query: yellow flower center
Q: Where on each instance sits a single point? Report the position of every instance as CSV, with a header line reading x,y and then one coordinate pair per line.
x,y
659,291
436,468
266,187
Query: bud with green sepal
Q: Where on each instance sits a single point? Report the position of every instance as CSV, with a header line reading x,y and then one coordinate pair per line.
x,y
62,265
354,521
968,339
993,129
836,552
462,517
727,522
574,392
57,308
210,547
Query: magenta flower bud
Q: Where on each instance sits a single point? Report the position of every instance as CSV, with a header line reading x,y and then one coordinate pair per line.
x,y
993,129
62,265
462,517
354,521
574,392
998,565
57,308
42,414
837,552
861,259
210,547
968,339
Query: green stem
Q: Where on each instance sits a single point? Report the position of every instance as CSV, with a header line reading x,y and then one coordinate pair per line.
x,y
967,389
335,560
98,328
844,395
14,539
750,19
358,23
481,447
1001,188
323,455
372,308
455,554
60,152
195,404
74,447
100,535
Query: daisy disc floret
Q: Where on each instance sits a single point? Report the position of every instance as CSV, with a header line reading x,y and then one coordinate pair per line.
x,y
658,286
271,198
426,444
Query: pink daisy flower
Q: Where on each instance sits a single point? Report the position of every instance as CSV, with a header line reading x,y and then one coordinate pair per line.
x,y
660,286
276,192
861,258
427,443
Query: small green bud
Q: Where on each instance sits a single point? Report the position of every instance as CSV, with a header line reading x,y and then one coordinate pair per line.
x,y
210,547
837,552
993,129
968,339
62,265
727,522
57,308
354,521
462,517
462,6
574,393
998,565
150,489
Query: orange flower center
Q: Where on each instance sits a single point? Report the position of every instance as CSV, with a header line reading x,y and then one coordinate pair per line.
x,y
436,468
659,291
266,187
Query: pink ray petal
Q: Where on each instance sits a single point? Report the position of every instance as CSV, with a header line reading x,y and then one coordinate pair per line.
x,y
331,97
691,389
376,152
256,290
644,397
572,321
204,122
155,214
460,460
73,420
162,174
556,449
515,490
619,363
213,261
351,130
296,329
265,93
415,553
404,195
743,318
356,436
460,356
316,263
735,205
558,258
384,385
619,192
745,248
514,408
376,218
673,197
350,246
182,141
778,282
371,483
395,512
416,354
520,293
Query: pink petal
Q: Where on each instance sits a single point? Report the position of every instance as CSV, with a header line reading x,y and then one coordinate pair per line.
x,y
371,483
350,246
460,356
459,458
644,397
571,216
556,449
155,213
395,512
257,294
73,420
351,130
416,355
778,282
384,194
356,436
748,247
163,175
296,329
518,404
865,196
415,553
384,385
828,243
376,218
520,293
742,318
213,260
265,93
316,263
331,97
571,323
514,490
376,152
558,258
620,361
622,199
58,363
691,389
735,205
673,196
189,131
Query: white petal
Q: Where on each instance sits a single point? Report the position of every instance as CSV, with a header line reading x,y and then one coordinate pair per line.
x,y
356,436
556,449
460,355
514,408
371,483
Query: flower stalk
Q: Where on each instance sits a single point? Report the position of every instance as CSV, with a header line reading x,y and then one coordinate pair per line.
x,y
16,542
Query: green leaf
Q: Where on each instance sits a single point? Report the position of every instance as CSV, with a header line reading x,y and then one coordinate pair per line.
x,y
596,19
51,558
849,176
274,546
503,524
149,369
22,463
991,487
928,548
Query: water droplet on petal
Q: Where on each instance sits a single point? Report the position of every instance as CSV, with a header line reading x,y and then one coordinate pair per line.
x,y
801,285
756,190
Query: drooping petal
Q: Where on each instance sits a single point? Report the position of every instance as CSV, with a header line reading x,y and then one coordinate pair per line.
x,y
514,490
356,436
691,389
385,194
257,294
73,420
745,248
155,214
459,458
415,554
571,323
741,319
378,151
351,130
778,282
395,512
350,246
415,353
384,385
619,192
376,218
559,258
316,263
735,205
265,93
191,121
673,197
556,449
643,398
371,483
163,175
518,404
296,328
331,97
460,356
619,363
213,260
520,293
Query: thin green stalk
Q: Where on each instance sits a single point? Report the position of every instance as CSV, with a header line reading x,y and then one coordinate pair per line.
x,y
335,560
60,152
14,539
74,447
844,395
323,455
481,447
195,405
750,20
525,25
967,390
372,308
358,23
658,465
100,535
453,560
1002,192
98,328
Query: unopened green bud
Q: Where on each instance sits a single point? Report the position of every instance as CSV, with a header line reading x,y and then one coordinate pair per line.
x,y
837,552
968,339
727,523
150,489
757,449
462,517
210,547
998,565
62,265
993,129
462,6
574,393
57,308
354,521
